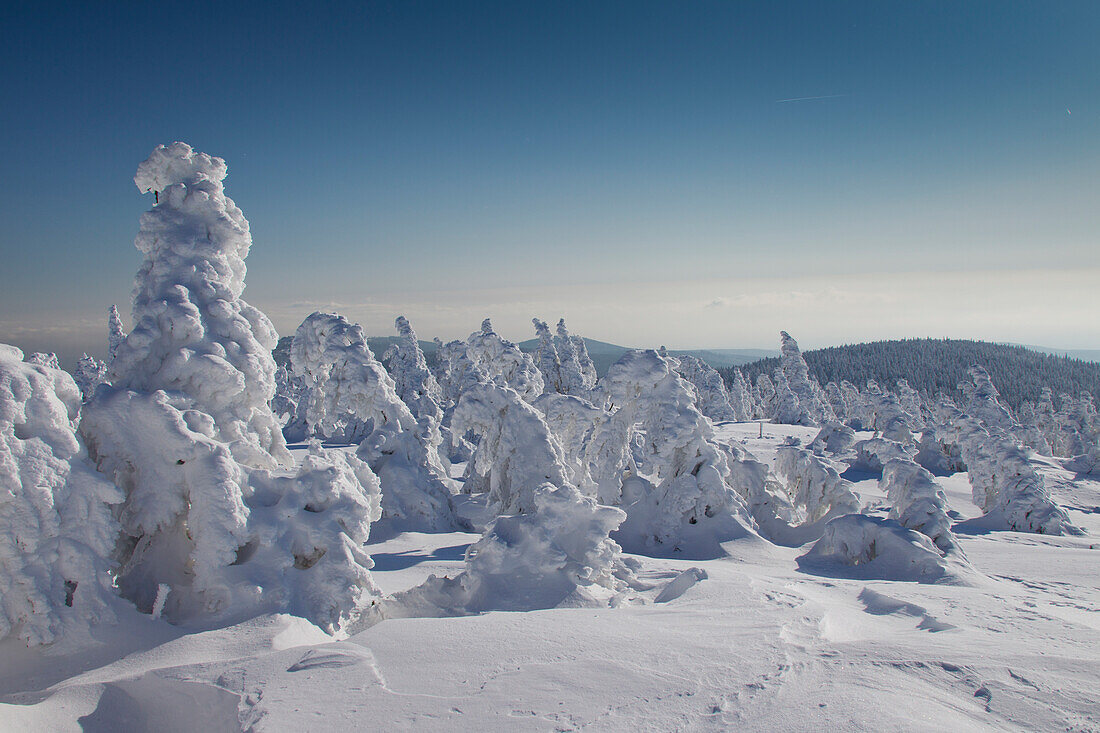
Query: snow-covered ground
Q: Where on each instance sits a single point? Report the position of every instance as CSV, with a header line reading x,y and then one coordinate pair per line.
x,y
756,644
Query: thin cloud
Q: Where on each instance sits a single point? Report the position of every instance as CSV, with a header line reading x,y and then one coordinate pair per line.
x,y
809,99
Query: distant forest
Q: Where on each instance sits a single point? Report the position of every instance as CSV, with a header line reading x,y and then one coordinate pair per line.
x,y
934,366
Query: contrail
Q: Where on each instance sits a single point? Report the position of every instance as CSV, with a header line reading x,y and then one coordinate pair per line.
x,y
808,99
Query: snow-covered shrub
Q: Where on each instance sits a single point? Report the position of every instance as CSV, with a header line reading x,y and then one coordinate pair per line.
x,y
813,485
516,452
711,396
918,502
833,438
193,334
90,373
556,554
874,453
56,527
304,554
860,546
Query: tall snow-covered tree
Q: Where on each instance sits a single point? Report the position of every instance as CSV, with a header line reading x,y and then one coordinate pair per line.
x,y
193,334
808,392
115,333
578,373
712,397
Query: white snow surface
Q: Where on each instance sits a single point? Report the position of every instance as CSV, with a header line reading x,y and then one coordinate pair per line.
x,y
748,641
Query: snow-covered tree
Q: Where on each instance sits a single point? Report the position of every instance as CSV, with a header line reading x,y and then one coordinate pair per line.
x,y
688,500
193,334
516,452
414,382
764,397
90,373
578,373
788,410
982,401
115,333
56,526
741,397
503,362
808,392
918,502
833,438
711,396
351,398
186,431
912,405
546,357
46,359
813,485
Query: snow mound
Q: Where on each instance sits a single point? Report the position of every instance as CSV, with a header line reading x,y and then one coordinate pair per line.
x,y
833,438
871,548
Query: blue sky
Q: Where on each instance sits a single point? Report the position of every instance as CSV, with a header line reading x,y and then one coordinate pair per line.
x,y
631,166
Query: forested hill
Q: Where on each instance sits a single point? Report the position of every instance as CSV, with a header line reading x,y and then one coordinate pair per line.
x,y
938,365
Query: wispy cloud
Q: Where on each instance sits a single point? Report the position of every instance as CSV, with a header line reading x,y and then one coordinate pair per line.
x,y
809,99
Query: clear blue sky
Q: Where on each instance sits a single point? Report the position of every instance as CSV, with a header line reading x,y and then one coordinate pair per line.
x,y
631,166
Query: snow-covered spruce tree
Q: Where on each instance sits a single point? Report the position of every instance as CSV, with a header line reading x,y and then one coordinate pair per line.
x,y
912,404
503,362
835,397
813,485
1077,427
289,404
456,371
546,357
414,382
788,410
516,452
90,373
688,502
764,397
741,397
872,454
808,392
1005,485
889,418
578,373
186,431
572,421
854,405
115,333
918,502
1029,431
982,401
193,334
56,527
351,398
712,397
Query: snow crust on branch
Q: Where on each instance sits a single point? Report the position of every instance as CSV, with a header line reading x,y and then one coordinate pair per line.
x,y
56,527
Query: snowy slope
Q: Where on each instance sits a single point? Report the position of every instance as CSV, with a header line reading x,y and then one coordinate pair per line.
x,y
756,645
